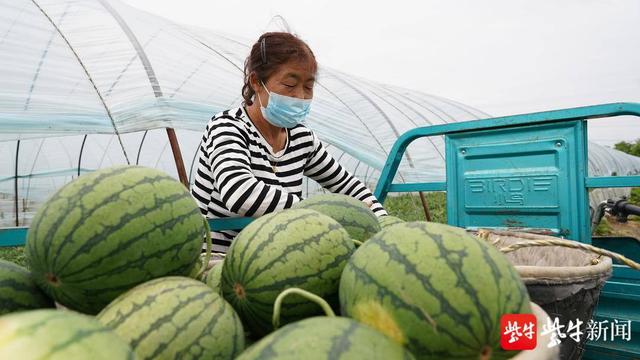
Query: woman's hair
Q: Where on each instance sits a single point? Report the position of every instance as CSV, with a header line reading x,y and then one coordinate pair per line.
x,y
270,51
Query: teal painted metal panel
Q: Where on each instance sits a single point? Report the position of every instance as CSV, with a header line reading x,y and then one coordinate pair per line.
x,y
229,223
435,186
619,301
18,236
523,177
610,351
15,236
612,181
628,246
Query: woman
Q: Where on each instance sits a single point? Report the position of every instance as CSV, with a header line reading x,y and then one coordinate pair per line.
x,y
252,158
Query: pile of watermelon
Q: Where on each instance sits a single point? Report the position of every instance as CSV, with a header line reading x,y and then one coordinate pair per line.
x,y
115,272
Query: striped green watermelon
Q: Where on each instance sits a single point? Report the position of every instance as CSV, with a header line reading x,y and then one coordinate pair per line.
x,y
18,291
386,221
326,338
110,230
290,248
356,217
175,318
59,335
213,278
435,289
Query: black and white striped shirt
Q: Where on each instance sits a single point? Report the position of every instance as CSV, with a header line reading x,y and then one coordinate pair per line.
x,y
240,175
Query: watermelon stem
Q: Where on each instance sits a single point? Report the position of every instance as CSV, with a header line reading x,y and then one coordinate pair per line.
x,y
52,279
305,294
486,353
357,242
207,257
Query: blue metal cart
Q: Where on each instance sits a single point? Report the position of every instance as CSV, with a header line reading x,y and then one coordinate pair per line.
x,y
529,172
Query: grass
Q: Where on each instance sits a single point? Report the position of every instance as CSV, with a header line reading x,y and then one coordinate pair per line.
x,y
13,254
603,228
408,207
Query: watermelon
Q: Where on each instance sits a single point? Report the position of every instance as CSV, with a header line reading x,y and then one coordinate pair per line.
x,y
175,318
434,288
110,230
18,291
356,217
386,221
213,278
291,248
59,335
326,338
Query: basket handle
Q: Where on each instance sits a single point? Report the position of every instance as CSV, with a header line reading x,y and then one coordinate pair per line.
x,y
571,244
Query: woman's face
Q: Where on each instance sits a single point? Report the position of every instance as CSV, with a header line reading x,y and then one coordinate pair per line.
x,y
294,78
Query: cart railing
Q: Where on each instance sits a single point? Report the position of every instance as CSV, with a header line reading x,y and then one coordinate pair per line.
x,y
390,169
17,236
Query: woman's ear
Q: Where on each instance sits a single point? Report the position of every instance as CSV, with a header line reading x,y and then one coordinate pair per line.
x,y
254,82
261,94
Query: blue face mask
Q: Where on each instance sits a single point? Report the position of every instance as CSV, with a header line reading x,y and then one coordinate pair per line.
x,y
284,111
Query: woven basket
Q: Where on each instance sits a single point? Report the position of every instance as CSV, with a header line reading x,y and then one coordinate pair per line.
x,y
565,282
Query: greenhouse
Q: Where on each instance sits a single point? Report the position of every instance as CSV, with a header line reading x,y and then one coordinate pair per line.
x,y
70,104
139,219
